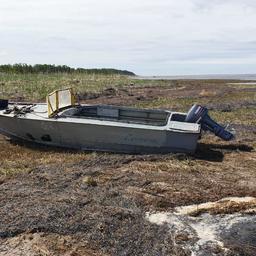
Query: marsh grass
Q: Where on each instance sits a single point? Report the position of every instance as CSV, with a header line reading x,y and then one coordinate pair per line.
x,y
8,172
16,159
244,115
37,86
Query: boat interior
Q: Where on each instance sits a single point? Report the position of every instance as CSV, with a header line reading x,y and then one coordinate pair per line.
x,y
123,114
62,103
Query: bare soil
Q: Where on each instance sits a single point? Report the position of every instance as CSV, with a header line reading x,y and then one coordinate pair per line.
x,y
58,202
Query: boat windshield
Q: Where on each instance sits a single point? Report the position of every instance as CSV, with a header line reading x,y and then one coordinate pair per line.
x,y
59,100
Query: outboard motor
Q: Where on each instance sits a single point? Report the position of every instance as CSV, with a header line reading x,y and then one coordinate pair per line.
x,y
199,114
3,104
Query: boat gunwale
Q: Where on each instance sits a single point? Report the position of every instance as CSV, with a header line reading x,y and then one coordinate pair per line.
x,y
110,123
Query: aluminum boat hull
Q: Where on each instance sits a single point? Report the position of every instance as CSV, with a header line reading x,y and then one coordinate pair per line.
x,y
99,135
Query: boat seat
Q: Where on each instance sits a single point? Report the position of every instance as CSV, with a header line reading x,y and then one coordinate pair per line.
x,y
70,112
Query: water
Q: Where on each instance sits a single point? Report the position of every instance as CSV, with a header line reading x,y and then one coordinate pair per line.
x,y
202,77
244,83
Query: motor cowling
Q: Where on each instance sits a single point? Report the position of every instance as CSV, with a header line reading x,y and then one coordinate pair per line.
x,y
199,114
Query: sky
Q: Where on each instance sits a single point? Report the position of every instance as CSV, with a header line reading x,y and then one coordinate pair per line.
x,y
148,37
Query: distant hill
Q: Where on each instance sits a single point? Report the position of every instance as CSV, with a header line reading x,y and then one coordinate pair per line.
x,y
46,68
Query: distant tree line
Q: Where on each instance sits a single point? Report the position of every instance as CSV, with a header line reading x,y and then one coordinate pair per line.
x,y
46,68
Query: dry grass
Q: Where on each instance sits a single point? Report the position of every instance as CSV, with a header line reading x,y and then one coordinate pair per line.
x,y
207,93
224,206
25,157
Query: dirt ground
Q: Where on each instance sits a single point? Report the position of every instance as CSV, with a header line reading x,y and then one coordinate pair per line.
x,y
58,202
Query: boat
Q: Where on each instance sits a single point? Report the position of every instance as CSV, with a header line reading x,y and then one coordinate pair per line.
x,y
62,122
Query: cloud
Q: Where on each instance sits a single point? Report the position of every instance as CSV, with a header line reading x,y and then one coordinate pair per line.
x,y
140,35
3,53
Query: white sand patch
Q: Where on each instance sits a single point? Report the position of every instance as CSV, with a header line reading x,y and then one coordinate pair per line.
x,y
165,218
158,218
205,230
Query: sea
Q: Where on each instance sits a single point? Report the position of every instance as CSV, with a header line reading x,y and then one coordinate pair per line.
x,y
247,77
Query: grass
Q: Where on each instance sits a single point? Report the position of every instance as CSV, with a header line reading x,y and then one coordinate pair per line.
x,y
8,172
183,103
22,158
37,86
165,103
243,115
